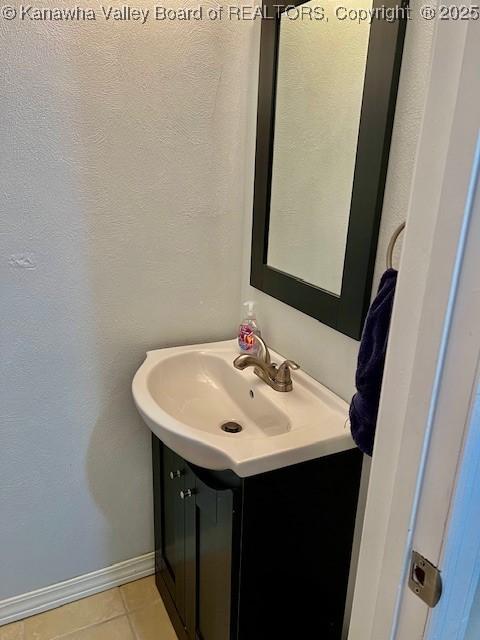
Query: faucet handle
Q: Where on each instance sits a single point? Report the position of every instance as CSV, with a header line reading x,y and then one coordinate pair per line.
x,y
283,377
291,364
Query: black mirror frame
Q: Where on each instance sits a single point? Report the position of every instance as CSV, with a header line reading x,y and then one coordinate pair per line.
x,y
346,312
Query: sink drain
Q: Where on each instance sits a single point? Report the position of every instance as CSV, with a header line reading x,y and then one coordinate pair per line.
x,y
231,427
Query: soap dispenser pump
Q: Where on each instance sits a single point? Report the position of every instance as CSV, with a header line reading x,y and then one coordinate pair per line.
x,y
248,330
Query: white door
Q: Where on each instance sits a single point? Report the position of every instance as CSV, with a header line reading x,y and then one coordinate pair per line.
x,y
431,367
457,615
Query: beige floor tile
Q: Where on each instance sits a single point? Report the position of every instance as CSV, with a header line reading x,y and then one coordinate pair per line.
x,y
13,631
152,623
74,616
117,629
140,593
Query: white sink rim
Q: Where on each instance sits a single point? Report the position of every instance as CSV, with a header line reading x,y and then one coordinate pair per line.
x,y
307,438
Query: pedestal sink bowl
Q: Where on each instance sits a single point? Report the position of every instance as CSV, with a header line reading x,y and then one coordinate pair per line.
x,y
187,394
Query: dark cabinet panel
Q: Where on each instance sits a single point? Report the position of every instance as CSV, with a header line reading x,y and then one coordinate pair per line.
x,y
173,527
190,545
194,546
297,535
169,523
214,512
260,558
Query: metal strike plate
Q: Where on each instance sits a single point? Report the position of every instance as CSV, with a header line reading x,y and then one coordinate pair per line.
x,y
425,579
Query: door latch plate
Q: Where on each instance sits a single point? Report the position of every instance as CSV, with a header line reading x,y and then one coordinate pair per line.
x,y
425,579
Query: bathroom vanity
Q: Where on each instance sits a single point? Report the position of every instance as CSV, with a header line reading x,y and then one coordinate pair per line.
x,y
259,558
253,528
256,476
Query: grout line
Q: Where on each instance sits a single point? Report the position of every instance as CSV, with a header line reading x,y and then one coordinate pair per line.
x,y
132,628
90,626
124,601
72,631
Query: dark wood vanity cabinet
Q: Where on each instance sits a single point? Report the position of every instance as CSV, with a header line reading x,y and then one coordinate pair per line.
x,y
195,545
259,558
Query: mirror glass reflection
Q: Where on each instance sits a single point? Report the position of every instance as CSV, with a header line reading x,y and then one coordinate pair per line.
x,y
320,78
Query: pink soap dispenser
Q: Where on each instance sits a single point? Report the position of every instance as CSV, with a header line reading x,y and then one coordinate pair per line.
x,y
248,330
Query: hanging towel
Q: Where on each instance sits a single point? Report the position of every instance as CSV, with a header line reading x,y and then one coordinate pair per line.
x,y
371,360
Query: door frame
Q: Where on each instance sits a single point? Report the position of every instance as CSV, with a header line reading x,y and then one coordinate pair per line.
x,y
433,338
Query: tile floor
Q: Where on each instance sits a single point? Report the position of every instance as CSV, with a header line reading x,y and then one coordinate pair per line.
x,y
131,612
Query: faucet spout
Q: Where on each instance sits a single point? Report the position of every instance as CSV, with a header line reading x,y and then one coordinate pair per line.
x,y
264,348
243,361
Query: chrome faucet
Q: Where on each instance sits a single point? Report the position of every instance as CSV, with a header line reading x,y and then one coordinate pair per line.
x,y
277,377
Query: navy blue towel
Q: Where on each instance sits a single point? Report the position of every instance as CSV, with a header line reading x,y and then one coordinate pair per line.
x,y
371,360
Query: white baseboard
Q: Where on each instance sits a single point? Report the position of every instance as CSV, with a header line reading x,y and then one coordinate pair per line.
x,y
29,604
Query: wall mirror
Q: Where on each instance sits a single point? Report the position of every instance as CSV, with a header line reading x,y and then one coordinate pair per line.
x,y
327,93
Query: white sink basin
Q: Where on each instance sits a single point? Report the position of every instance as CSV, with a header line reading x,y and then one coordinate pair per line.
x,y
186,394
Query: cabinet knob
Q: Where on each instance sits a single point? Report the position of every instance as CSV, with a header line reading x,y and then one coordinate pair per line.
x,y
186,493
175,474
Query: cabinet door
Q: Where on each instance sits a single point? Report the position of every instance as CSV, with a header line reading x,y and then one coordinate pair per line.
x,y
214,562
173,527
209,517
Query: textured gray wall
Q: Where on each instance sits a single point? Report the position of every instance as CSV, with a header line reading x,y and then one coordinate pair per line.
x,y
121,194
125,153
